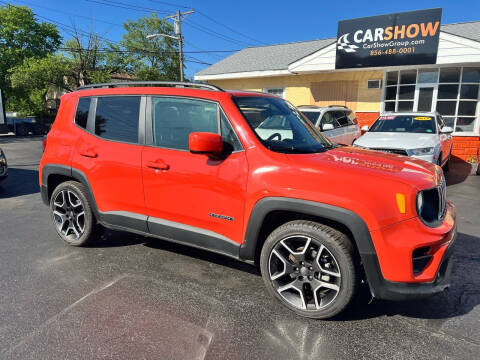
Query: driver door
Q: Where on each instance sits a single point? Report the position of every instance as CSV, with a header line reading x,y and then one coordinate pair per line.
x,y
192,198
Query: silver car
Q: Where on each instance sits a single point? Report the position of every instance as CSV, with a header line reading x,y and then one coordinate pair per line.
x,y
336,122
422,135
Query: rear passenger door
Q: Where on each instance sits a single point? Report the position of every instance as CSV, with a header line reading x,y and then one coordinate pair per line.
x,y
109,155
193,198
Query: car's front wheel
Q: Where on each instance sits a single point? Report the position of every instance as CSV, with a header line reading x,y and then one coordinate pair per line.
x,y
71,213
310,268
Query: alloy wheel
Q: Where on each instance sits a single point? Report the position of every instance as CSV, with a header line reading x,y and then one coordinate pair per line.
x,y
69,214
304,272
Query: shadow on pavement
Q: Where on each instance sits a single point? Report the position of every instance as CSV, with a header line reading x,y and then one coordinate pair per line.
x,y
458,172
19,182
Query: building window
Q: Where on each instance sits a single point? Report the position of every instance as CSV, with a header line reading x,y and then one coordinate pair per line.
x,y
280,92
452,91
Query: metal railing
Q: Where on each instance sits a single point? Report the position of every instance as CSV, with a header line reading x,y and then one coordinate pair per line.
x,y
177,84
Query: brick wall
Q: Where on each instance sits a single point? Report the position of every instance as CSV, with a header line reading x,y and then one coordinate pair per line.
x,y
466,147
366,118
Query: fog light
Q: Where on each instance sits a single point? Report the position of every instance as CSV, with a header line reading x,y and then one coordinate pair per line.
x,y
401,203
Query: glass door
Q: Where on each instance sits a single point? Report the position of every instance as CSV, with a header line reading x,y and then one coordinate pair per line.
x,y
426,90
424,101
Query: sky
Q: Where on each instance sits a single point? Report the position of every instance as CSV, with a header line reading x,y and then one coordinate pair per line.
x,y
219,27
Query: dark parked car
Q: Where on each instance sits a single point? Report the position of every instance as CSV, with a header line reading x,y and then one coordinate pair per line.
x,y
24,126
3,166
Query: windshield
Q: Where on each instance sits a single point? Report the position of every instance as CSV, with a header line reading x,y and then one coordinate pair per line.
x,y
311,115
280,126
405,124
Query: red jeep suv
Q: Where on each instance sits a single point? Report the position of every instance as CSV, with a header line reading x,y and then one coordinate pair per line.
x,y
187,163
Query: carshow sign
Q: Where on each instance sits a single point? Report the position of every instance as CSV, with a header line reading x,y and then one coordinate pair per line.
x,y
408,38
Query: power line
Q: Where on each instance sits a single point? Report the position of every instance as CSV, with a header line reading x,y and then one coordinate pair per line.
x,y
229,28
68,13
127,6
170,4
134,51
215,34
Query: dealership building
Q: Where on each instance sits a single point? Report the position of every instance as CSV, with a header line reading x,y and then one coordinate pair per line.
x,y
309,73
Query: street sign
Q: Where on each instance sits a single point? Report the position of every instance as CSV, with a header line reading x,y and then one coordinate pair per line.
x,y
408,38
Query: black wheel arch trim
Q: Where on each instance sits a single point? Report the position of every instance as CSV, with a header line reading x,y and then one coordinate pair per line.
x,y
356,225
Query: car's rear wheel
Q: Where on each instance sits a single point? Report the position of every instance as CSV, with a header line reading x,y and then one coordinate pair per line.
x,y
72,214
310,268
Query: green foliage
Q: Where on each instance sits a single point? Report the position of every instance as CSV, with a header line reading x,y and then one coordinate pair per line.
x,y
31,72
21,38
33,79
154,58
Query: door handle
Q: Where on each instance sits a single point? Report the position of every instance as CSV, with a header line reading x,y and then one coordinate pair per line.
x,y
89,153
158,165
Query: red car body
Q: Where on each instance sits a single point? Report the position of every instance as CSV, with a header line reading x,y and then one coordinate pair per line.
x,y
184,187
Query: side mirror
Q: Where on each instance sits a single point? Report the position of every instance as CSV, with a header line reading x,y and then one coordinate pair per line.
x,y
446,130
364,128
205,143
326,127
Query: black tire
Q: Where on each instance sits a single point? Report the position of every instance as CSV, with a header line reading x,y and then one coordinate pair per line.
x,y
21,130
336,243
77,235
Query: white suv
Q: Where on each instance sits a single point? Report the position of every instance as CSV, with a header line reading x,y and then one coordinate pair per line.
x,y
337,122
422,135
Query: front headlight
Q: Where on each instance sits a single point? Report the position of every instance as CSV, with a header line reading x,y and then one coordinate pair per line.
x,y
421,151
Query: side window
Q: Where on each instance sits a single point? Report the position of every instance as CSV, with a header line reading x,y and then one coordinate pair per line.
x,y
81,116
328,118
116,118
228,135
341,118
175,118
352,119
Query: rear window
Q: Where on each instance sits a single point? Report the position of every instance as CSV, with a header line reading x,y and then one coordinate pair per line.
x,y
81,116
116,118
405,124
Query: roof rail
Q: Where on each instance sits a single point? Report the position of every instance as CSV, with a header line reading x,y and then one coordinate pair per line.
x,y
150,83
309,106
342,106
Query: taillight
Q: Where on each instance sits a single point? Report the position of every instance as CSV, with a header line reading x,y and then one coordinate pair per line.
x,y
44,143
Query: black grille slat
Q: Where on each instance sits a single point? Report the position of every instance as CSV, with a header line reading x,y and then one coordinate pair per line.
x,y
392,151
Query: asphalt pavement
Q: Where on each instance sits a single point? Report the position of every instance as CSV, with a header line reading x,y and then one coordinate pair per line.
x,y
130,297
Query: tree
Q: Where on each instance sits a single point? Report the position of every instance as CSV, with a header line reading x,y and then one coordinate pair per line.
x,y
154,58
32,80
22,37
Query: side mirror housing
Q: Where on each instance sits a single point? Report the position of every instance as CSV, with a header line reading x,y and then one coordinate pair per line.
x,y
446,130
326,127
364,128
205,143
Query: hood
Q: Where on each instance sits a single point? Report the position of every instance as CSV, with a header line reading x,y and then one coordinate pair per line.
x,y
351,160
395,140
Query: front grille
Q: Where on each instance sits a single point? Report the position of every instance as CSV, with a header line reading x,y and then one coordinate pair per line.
x,y
442,198
435,203
392,151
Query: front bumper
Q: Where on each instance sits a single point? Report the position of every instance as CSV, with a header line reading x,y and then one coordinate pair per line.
x,y
391,276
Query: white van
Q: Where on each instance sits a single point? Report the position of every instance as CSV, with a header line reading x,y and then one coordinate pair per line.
x,y
336,122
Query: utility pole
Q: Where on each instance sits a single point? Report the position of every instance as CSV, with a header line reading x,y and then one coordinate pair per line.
x,y
177,25
178,17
